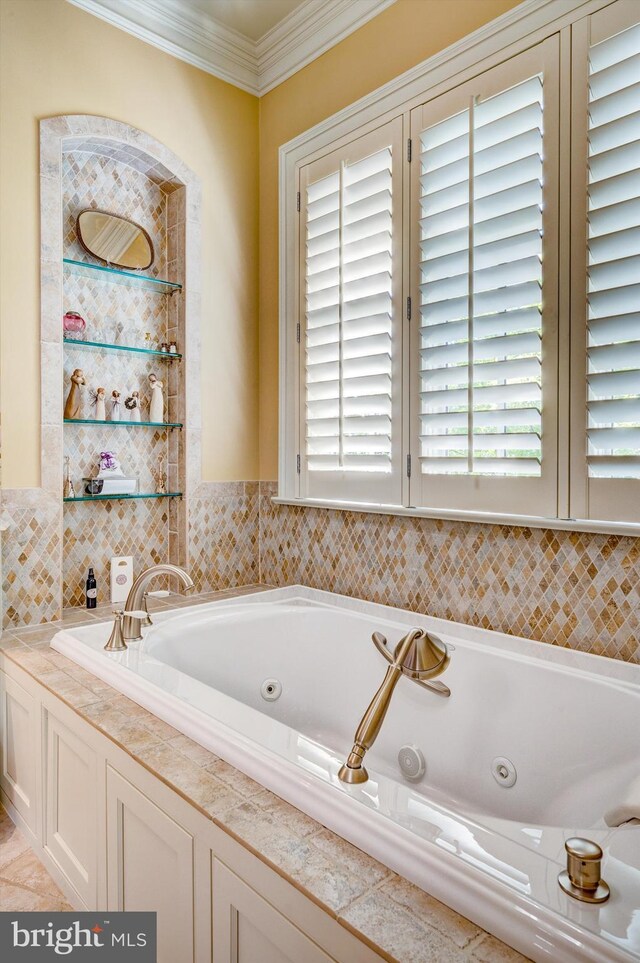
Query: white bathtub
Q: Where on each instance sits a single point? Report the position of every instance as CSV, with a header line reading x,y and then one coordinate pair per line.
x,y
569,723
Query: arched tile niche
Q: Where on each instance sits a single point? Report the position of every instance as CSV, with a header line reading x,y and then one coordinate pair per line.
x,y
89,161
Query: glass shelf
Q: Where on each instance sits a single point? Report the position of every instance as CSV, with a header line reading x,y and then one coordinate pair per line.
x,y
124,424
116,276
106,498
76,342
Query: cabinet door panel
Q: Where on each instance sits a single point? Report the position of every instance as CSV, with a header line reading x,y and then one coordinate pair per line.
x,y
19,725
246,928
150,867
71,831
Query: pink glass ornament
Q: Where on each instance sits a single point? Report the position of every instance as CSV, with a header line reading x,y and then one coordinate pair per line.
x,y
73,324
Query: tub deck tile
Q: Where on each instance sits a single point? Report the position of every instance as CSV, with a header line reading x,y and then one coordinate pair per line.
x,y
386,924
345,854
238,780
430,911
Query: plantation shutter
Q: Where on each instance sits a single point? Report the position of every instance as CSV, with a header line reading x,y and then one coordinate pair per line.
x,y
485,336
350,241
611,447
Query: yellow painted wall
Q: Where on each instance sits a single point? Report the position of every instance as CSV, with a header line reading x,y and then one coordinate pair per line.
x,y
57,59
399,38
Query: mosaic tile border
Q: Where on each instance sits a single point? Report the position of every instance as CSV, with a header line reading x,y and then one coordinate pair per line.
x,y
573,589
31,557
224,532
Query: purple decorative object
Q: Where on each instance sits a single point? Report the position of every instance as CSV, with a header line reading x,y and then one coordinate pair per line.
x,y
73,324
108,461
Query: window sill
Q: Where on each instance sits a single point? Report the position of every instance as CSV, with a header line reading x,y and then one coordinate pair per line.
x,y
485,518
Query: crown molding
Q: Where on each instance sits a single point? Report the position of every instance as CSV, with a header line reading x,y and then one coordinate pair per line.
x,y
257,67
307,32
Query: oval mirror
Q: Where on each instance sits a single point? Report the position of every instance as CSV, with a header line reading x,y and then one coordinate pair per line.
x,y
115,240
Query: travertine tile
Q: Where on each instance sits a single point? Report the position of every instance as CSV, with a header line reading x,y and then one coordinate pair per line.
x,y
298,822
27,870
18,899
223,536
39,633
491,950
8,641
12,842
195,782
571,589
403,934
194,751
352,859
68,689
126,731
31,557
32,660
430,911
295,856
235,778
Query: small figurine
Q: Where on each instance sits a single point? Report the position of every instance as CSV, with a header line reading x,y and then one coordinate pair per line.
x,y
69,490
156,412
99,404
132,404
160,478
73,406
173,347
115,406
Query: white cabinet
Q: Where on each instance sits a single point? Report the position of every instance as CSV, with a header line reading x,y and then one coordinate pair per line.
x,y
150,864
246,928
19,713
71,832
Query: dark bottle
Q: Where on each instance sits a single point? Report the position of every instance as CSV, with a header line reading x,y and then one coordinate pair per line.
x,y
91,591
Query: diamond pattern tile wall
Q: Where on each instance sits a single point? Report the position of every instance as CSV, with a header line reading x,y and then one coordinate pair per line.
x,y
566,588
95,532
570,589
30,565
92,180
223,535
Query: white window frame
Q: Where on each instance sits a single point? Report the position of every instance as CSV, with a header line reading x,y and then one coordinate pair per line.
x,y
520,29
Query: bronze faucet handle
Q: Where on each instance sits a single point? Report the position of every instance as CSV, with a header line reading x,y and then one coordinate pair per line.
x,y
427,656
382,645
116,642
380,642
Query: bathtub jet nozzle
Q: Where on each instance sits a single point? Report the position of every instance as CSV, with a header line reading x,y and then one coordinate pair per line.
x,y
420,656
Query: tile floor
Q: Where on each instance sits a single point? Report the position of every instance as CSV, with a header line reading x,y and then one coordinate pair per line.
x,y
24,882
